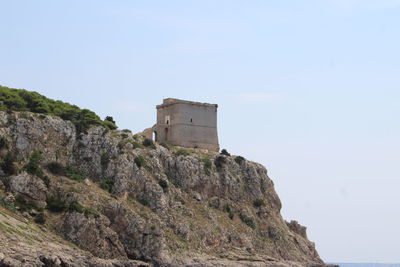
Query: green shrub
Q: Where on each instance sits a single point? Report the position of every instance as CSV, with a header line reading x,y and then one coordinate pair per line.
x,y
166,145
124,135
135,145
127,131
144,202
33,167
23,100
40,218
56,168
25,205
90,211
107,184
227,207
55,204
74,174
6,205
239,160
164,185
225,152
8,165
247,220
231,215
3,143
274,233
258,203
220,162
140,161
109,125
207,165
76,206
148,143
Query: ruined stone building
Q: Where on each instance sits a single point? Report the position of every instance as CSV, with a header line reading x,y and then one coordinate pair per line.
x,y
186,123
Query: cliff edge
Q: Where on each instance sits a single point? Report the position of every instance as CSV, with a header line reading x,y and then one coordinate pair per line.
x,y
102,197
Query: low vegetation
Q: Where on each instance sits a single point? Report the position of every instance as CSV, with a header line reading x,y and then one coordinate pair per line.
x,y
183,152
74,173
107,184
33,167
258,203
3,143
25,205
220,162
148,143
8,164
225,152
23,100
164,185
207,165
239,160
247,220
139,161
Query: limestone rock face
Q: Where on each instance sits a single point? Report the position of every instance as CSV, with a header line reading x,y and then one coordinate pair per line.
x,y
29,186
124,202
92,233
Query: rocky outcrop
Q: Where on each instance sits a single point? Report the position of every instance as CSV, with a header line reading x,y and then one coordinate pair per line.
x,y
26,244
29,186
162,205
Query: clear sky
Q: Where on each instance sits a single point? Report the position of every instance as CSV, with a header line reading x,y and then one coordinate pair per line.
x,y
308,88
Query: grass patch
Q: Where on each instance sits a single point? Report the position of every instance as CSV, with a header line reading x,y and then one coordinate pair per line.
x,y
26,205
184,151
74,174
247,220
207,165
12,230
7,205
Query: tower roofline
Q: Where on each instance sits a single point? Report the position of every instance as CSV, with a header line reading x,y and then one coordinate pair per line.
x,y
172,101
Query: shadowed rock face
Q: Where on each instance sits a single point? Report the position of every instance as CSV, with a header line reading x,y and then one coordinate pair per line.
x,y
173,207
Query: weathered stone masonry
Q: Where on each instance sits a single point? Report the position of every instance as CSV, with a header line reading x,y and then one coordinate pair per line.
x,y
186,123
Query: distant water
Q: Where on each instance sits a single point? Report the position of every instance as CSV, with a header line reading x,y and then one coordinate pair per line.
x,y
368,264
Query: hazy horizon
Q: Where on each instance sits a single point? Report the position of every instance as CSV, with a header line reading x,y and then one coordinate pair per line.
x,y
309,89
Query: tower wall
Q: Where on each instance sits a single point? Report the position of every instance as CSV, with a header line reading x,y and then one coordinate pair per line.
x,y
187,124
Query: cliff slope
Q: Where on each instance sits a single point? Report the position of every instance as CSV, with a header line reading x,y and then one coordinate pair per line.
x,y
104,197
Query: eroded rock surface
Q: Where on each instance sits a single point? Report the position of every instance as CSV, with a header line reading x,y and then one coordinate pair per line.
x,y
162,205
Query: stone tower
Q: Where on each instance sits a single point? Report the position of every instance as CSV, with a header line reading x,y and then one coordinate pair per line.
x,y
187,124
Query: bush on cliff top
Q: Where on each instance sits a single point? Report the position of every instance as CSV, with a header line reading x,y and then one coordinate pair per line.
x,y
23,100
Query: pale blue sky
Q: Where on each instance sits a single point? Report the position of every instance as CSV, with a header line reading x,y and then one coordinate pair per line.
x,y
310,89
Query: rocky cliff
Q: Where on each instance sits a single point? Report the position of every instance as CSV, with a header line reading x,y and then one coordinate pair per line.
x,y
109,198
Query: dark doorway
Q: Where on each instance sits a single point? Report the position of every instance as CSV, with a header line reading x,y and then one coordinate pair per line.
x,y
166,134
